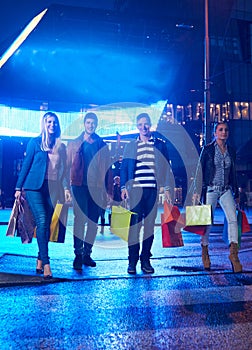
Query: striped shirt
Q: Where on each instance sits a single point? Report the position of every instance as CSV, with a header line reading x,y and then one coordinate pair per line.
x,y
222,163
145,165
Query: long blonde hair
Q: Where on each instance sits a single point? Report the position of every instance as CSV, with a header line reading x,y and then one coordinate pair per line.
x,y
47,144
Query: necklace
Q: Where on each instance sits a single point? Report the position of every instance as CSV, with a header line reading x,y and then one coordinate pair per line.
x,y
223,148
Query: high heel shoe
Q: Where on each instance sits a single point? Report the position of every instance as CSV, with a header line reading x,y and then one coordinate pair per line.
x,y
47,272
39,267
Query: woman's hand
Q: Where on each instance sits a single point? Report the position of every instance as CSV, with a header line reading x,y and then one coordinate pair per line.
x,y
18,195
167,196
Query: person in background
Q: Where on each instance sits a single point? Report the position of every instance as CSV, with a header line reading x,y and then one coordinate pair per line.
x,y
2,199
44,179
90,177
243,198
145,168
116,191
116,200
217,161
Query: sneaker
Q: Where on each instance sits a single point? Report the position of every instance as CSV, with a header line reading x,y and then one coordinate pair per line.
x,y
132,269
88,261
146,267
77,263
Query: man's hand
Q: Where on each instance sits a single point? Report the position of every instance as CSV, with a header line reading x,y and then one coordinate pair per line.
x,y
68,196
124,194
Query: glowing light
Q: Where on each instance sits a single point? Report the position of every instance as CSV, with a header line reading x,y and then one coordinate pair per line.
x,y
21,38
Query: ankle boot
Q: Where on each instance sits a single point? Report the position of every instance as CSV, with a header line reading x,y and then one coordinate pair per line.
x,y
205,257
233,257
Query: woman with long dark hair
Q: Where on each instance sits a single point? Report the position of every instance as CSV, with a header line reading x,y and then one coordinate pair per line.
x,y
43,177
220,185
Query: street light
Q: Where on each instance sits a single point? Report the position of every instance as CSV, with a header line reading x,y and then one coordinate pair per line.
x,y
207,122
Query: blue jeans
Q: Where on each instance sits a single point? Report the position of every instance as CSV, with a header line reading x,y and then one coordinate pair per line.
x,y
86,210
42,205
227,203
143,201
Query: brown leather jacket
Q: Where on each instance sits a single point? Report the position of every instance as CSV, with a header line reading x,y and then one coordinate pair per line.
x,y
100,170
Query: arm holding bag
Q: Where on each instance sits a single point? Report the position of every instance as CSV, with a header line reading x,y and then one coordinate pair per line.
x,y
121,220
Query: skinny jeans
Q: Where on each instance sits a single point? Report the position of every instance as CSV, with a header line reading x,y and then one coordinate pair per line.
x,y
41,203
227,203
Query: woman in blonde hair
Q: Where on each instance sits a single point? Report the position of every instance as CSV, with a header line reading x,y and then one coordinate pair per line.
x,y
43,177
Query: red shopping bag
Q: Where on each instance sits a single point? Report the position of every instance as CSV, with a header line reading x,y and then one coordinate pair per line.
x,y
171,212
171,233
245,226
198,229
171,224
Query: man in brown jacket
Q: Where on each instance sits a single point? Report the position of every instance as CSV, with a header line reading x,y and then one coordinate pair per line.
x,y
90,176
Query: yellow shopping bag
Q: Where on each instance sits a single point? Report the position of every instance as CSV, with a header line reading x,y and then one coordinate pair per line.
x,y
198,215
58,223
121,220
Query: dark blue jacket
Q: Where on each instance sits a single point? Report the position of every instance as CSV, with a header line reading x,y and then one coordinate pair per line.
x,y
34,166
162,165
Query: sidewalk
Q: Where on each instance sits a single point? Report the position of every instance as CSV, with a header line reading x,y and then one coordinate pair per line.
x,y
17,260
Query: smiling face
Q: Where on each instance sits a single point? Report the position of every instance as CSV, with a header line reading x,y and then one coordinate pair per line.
x,y
144,126
90,126
51,124
221,132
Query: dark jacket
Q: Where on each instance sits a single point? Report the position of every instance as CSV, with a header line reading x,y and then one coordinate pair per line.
x,y
101,165
163,173
34,166
208,168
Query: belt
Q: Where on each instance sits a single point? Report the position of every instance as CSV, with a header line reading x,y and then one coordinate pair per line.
x,y
218,188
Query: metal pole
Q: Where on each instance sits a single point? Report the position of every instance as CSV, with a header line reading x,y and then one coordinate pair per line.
x,y
207,122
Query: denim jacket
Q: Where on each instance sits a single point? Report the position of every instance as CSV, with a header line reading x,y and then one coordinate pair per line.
x,y
101,170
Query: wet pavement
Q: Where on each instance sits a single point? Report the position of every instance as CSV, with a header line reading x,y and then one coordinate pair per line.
x,y
180,306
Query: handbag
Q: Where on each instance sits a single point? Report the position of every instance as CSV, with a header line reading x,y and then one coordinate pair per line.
x,y
198,215
122,220
12,224
58,223
171,233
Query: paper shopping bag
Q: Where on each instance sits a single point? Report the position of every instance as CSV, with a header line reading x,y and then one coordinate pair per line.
x,y
198,230
198,215
171,212
171,233
58,223
121,221
245,226
26,223
12,224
